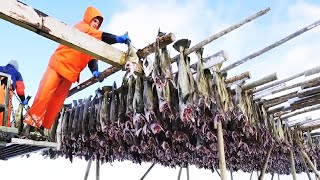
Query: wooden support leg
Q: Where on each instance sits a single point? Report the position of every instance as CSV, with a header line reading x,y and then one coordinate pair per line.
x,y
188,177
265,164
217,171
87,170
179,174
305,165
311,165
222,161
293,167
97,170
145,174
231,175
251,175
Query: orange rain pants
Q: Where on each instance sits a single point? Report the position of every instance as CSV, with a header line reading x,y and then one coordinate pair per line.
x,y
2,96
53,90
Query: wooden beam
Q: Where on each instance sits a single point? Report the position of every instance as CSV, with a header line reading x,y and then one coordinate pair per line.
x,y
146,173
259,82
212,60
311,165
241,77
222,33
298,85
305,165
34,20
268,48
97,169
164,41
308,72
268,91
87,170
301,111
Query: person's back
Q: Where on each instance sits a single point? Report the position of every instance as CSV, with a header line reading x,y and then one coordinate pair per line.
x,y
12,68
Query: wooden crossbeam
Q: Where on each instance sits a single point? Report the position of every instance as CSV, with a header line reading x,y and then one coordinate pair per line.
x,y
36,21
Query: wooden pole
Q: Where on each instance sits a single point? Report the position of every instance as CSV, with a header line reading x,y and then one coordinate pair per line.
x,y
179,174
297,85
293,168
222,161
221,33
217,171
305,165
272,176
259,82
97,169
231,174
265,163
87,170
164,41
188,175
305,73
268,48
146,173
311,165
212,60
241,77
301,111
251,175
261,94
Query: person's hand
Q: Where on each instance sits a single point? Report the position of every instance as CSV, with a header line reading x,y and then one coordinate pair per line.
x,y
25,102
123,39
96,74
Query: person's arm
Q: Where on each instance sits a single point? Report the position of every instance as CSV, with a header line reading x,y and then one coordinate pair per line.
x,y
93,65
20,87
109,38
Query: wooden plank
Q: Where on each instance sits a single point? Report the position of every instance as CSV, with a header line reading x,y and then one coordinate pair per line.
x,y
268,48
222,33
308,72
268,92
34,20
297,85
33,143
241,77
259,82
301,111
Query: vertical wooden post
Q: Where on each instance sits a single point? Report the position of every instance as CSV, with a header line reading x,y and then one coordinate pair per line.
x,y
311,165
231,174
87,170
188,177
179,174
251,175
265,164
145,174
97,169
272,176
305,165
293,168
222,161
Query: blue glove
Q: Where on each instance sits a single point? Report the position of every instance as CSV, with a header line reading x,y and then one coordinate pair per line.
x,y
25,102
96,74
123,39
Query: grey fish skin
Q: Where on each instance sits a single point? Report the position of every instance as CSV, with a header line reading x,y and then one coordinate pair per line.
x,y
202,84
75,121
122,104
92,119
138,105
71,118
113,111
18,118
104,113
158,78
65,123
148,100
85,120
131,91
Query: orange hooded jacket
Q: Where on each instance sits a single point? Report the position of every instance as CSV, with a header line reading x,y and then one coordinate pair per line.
x,y
69,62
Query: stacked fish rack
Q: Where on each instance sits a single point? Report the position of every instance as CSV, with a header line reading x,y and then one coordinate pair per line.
x,y
194,116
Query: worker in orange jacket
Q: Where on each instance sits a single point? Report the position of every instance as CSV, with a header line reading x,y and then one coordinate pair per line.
x,y
12,68
64,69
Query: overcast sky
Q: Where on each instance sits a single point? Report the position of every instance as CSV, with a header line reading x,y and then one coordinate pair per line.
x,y
192,19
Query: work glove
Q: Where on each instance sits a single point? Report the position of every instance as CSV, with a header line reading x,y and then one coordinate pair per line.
x,y
123,39
96,74
25,102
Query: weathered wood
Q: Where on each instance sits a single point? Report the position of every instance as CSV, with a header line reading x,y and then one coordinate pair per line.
x,y
146,173
278,100
308,72
308,128
259,82
34,20
305,165
87,170
268,92
222,160
212,60
311,165
164,41
297,85
301,111
293,168
265,163
222,33
241,77
268,48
